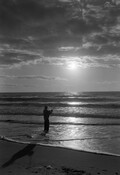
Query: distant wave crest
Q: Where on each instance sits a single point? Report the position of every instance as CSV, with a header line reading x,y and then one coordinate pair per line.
x,y
58,123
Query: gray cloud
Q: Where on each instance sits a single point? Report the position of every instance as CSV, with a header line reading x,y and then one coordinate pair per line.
x,y
53,31
8,85
40,77
5,85
108,82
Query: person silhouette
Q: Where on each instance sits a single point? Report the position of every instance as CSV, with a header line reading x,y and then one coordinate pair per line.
x,y
46,114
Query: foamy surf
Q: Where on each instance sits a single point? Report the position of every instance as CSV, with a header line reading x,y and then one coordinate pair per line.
x,y
4,138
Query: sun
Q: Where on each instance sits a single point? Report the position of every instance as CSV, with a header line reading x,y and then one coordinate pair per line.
x,y
72,66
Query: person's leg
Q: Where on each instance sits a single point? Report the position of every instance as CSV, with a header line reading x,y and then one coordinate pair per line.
x,y
47,126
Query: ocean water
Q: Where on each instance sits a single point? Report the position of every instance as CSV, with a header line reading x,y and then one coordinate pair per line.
x,y
88,121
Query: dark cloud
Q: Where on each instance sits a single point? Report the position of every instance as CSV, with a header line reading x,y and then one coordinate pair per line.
x,y
16,15
80,26
100,39
32,30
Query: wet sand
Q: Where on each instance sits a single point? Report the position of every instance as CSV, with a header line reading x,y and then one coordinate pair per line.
x,y
30,159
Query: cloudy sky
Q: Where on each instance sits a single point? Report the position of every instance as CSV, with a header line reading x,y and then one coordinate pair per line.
x,y
59,45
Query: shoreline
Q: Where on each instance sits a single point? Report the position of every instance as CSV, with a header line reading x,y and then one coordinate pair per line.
x,y
32,158
3,138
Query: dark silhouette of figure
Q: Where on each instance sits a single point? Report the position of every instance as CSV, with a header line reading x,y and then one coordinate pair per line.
x,y
46,114
28,150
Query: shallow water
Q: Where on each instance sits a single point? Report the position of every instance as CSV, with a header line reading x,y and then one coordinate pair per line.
x,y
83,121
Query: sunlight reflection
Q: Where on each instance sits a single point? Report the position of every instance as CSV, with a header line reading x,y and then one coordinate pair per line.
x,y
74,103
73,110
74,120
71,131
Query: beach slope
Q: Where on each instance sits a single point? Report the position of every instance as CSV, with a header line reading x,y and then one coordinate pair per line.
x,y
24,159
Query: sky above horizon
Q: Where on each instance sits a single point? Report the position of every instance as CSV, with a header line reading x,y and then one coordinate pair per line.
x,y
59,45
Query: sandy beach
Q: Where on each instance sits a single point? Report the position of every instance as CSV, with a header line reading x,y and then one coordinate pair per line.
x,y
24,159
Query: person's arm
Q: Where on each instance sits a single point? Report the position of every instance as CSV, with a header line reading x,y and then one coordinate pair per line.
x,y
50,112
